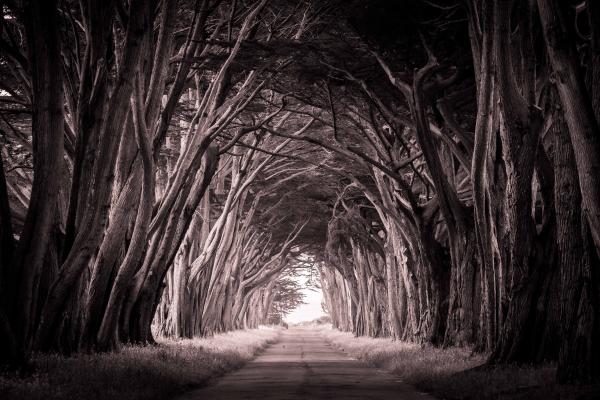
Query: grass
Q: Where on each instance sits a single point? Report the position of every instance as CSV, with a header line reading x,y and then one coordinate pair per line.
x,y
137,373
453,373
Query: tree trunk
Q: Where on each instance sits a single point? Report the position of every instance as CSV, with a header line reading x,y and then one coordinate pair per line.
x,y
107,338
94,221
47,131
579,355
519,131
578,110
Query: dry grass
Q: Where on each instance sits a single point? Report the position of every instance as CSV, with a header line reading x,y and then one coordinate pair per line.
x,y
452,373
137,373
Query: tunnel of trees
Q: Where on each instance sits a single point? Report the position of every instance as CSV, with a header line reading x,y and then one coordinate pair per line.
x,y
169,166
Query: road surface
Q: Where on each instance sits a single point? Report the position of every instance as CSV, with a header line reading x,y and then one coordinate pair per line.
x,y
302,365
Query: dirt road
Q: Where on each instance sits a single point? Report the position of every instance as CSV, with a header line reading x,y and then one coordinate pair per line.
x,y
301,365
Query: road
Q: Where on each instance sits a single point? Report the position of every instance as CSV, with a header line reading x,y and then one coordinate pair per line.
x,y
302,365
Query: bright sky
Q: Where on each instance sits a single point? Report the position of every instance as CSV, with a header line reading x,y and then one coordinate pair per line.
x,y
309,311
312,297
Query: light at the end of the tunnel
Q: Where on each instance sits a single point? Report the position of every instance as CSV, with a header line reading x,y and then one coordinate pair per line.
x,y
309,311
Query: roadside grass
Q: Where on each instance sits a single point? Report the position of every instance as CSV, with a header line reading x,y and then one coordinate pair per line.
x,y
456,373
136,372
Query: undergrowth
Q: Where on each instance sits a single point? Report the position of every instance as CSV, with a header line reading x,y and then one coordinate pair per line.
x,y
458,373
136,373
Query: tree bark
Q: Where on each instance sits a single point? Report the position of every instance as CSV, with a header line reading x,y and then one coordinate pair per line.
x,y
579,354
107,338
47,131
578,110
519,131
